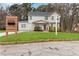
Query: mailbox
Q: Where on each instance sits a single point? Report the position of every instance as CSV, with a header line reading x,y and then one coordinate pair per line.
x,y
11,23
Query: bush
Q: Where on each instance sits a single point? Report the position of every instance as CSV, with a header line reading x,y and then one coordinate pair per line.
x,y
50,29
37,28
2,28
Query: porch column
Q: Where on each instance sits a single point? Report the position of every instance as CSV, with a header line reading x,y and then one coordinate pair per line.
x,y
47,27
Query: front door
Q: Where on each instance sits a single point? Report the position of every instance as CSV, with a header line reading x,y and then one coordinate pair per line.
x,y
44,26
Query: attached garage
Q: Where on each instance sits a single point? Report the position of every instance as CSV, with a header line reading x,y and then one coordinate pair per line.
x,y
24,26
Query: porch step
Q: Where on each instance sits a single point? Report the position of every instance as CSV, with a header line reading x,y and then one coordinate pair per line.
x,y
45,31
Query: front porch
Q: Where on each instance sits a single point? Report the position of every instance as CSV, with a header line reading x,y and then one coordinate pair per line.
x,y
41,25
45,26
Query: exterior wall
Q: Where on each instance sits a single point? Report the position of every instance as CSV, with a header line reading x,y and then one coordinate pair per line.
x,y
55,16
35,18
29,26
20,28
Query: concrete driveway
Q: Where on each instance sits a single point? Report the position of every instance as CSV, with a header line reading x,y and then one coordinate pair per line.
x,y
64,48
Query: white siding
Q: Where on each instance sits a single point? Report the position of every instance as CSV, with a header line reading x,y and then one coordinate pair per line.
x,y
35,18
55,16
28,26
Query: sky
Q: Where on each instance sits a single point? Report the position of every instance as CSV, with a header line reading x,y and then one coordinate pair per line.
x,y
4,5
38,4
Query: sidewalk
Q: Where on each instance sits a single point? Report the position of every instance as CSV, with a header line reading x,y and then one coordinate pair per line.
x,y
4,33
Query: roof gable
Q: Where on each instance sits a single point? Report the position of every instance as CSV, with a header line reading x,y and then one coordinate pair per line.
x,y
40,21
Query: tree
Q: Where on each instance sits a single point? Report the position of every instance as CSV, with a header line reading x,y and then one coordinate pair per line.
x,y
20,10
26,7
69,14
42,8
2,17
14,9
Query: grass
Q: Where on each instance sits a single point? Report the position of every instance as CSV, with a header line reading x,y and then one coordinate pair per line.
x,y
2,30
39,36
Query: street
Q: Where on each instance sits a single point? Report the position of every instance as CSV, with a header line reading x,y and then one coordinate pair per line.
x,y
62,48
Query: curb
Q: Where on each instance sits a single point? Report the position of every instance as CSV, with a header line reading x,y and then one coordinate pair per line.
x,y
49,40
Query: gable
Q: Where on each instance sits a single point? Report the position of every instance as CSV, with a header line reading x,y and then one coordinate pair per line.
x,y
40,21
55,14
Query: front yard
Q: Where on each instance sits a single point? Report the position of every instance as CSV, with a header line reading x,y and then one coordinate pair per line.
x,y
39,36
2,30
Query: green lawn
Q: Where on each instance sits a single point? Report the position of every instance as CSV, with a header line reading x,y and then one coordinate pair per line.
x,y
2,30
39,36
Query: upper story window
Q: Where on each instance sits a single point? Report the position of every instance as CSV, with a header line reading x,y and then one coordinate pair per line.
x,y
30,17
46,17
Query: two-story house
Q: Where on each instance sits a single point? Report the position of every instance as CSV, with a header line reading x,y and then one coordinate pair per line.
x,y
41,19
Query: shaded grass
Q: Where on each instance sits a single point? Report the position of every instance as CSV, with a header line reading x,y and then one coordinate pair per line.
x,y
39,36
2,30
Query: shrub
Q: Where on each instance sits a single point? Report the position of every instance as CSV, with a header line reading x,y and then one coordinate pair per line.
x,y
2,28
37,28
50,29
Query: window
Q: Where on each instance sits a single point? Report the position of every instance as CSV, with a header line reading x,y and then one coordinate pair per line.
x,y
46,17
23,25
52,17
30,17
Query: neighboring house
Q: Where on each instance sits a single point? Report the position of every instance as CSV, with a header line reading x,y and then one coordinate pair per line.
x,y
76,27
41,19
